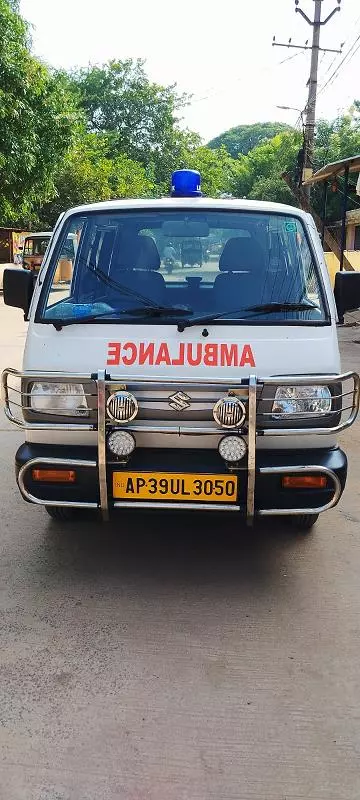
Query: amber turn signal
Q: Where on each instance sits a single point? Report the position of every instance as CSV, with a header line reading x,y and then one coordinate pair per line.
x,y
54,475
304,482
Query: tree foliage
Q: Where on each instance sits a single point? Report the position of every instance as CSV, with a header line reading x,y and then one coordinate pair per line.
x,y
88,175
118,98
36,121
334,141
259,172
244,138
217,168
108,131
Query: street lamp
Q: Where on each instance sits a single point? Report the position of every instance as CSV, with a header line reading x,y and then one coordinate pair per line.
x,y
290,108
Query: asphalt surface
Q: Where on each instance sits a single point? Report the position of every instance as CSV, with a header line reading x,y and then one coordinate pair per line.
x,y
168,658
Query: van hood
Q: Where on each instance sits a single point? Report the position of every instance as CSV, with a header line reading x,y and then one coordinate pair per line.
x,y
217,351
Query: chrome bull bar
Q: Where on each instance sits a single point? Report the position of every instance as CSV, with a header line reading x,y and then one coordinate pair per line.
x,y
250,388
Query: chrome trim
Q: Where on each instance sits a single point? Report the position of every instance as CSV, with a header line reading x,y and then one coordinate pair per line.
x,y
312,380
250,499
179,505
68,462
184,429
101,386
295,511
178,430
175,506
252,386
39,426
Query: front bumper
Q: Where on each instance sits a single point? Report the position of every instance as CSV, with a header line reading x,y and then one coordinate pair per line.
x,y
270,497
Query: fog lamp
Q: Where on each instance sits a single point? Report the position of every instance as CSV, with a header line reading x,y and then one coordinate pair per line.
x,y
232,448
121,443
229,412
122,406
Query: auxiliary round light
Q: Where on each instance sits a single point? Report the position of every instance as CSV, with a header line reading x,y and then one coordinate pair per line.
x,y
121,443
229,412
122,406
232,448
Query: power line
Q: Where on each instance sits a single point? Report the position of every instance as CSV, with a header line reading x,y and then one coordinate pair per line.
x,y
337,70
332,62
354,54
217,92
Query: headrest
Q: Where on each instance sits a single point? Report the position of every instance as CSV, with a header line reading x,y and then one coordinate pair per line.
x,y
137,252
241,253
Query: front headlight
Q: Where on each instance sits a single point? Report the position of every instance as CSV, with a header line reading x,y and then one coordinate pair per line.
x,y
301,401
65,399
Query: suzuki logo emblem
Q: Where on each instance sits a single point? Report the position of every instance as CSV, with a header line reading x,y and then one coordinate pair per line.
x,y
179,401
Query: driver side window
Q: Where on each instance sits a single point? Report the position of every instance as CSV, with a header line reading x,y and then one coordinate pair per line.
x,y
62,279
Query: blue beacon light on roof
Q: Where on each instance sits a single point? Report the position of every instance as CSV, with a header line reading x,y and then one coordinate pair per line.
x,y
186,183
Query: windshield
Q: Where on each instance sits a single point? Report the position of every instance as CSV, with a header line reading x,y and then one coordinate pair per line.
x,y
36,246
160,265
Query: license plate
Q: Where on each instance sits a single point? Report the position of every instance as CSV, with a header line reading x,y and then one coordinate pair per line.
x,y
174,486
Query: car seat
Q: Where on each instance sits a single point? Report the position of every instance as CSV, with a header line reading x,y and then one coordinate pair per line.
x,y
135,265
242,269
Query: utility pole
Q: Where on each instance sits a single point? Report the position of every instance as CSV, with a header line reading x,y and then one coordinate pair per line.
x,y
311,103
309,132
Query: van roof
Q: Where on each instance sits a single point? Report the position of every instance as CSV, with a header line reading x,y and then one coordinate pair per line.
x,y
38,235
189,203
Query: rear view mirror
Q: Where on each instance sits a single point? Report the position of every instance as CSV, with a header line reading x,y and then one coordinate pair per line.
x,y
185,228
18,287
347,292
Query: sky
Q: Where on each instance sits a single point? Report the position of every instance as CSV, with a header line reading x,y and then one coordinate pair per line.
x,y
220,53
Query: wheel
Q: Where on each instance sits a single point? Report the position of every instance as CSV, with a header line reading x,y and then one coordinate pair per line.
x,y
59,513
304,522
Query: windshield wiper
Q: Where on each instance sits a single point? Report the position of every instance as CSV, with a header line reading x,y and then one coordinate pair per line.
x,y
264,308
146,311
117,286
120,287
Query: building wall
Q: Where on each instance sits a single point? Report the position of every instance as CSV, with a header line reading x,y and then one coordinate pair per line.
x,y
333,263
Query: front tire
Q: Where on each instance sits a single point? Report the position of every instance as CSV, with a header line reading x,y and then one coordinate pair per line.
x,y
60,513
304,522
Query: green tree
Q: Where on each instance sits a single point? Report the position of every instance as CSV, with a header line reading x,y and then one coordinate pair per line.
x,y
218,170
336,140
259,173
140,117
273,189
244,138
36,121
88,175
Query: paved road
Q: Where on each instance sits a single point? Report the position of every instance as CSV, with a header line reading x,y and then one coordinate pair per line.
x,y
168,659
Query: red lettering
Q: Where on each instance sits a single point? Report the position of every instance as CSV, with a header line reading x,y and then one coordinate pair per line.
x,y
228,355
113,359
194,362
129,360
146,353
247,357
163,355
179,362
211,355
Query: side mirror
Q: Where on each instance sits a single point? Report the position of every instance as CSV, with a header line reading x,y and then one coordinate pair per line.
x,y
347,292
18,287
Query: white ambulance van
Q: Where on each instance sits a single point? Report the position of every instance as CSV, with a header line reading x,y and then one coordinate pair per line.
x,y
213,387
